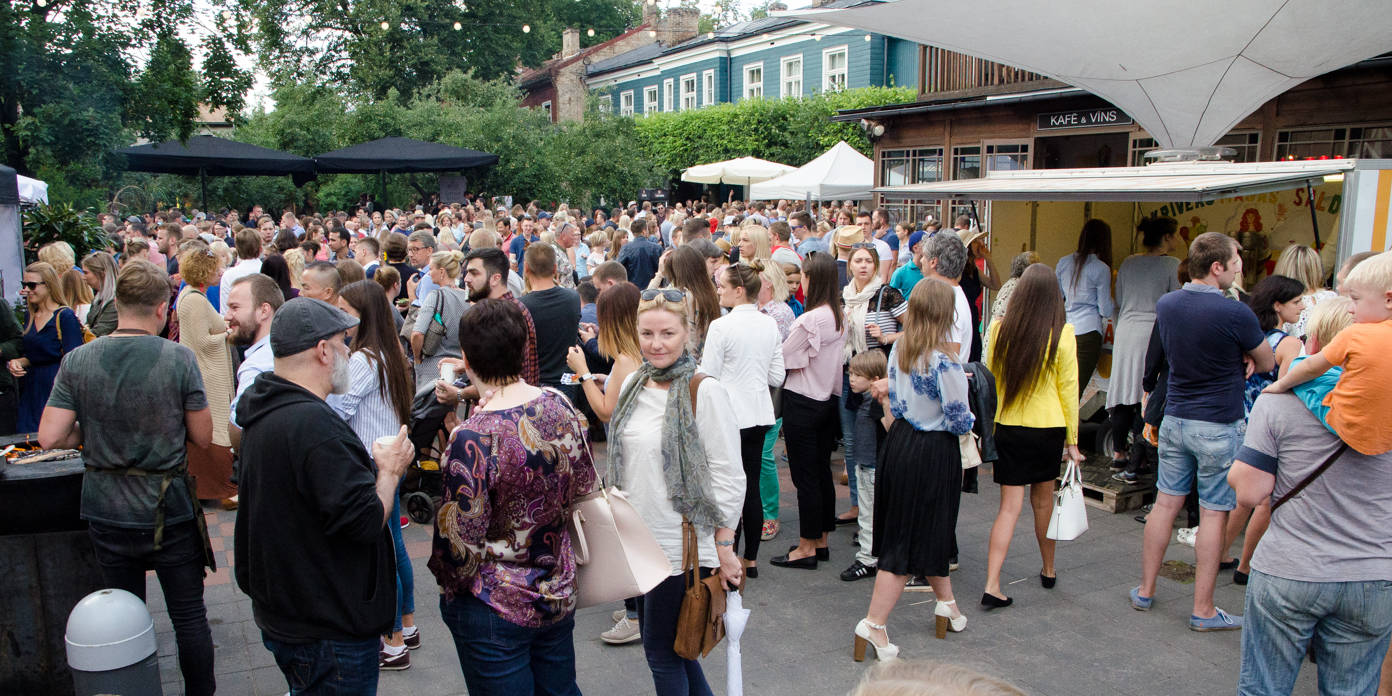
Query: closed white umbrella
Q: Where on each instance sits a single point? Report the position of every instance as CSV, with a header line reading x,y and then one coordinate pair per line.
x,y
742,171
736,618
1186,70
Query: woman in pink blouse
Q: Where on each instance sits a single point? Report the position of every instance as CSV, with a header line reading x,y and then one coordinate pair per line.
x,y
501,552
812,356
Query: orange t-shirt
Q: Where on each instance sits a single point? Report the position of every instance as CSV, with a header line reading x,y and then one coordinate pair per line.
x,y
1363,397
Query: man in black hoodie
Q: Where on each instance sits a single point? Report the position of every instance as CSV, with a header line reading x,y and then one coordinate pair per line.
x,y
312,548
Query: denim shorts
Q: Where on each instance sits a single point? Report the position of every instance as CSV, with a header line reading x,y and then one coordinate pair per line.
x,y
1190,448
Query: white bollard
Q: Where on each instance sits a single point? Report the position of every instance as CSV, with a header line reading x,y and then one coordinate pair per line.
x,y
111,646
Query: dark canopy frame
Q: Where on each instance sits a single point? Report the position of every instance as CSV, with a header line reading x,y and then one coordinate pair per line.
x,y
206,155
397,155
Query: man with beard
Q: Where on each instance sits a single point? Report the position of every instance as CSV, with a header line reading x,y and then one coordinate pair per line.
x,y
251,304
485,271
312,548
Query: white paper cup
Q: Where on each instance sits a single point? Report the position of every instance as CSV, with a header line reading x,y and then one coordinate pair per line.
x,y
447,373
385,440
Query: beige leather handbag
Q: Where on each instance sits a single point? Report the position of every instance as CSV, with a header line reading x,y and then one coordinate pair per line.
x,y
616,555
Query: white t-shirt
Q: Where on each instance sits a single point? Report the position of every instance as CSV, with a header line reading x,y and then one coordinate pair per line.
x,y
961,325
883,251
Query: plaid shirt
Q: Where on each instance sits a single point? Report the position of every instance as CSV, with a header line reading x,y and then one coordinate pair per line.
x,y
531,372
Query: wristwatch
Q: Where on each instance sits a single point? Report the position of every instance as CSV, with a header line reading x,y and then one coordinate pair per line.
x,y
588,376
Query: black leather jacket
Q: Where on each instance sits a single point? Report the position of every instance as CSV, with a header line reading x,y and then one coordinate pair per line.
x,y
981,395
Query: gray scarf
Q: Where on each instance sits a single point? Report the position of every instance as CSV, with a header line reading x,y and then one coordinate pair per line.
x,y
684,463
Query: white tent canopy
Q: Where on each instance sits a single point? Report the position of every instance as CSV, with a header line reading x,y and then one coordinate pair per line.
x,y
32,191
1186,70
839,173
739,172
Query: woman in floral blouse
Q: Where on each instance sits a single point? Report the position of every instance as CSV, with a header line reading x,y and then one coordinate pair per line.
x,y
501,552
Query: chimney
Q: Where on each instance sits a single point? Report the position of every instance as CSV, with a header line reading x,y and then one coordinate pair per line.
x,y
651,14
681,23
780,7
570,42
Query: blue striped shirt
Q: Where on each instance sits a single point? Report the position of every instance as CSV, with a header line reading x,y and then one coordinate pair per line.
x,y
369,413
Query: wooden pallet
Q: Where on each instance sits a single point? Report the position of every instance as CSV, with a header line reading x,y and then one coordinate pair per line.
x,y
1103,493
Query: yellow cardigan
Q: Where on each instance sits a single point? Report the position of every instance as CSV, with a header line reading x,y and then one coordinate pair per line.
x,y
1052,401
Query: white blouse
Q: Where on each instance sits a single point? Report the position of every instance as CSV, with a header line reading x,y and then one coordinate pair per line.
x,y
647,488
745,352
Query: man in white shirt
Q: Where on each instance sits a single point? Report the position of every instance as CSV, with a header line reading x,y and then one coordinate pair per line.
x,y
249,261
252,303
944,258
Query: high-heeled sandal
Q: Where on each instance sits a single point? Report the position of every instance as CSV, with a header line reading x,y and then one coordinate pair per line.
x,y
888,651
946,621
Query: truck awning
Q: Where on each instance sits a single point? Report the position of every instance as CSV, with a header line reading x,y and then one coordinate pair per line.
x,y
1161,182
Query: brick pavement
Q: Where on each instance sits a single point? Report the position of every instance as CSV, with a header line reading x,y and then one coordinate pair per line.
x,y
1080,638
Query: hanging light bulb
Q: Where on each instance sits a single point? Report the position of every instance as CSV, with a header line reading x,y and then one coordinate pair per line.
x,y
711,35
816,37
526,28
589,32
385,26
867,37
652,33
42,3
458,26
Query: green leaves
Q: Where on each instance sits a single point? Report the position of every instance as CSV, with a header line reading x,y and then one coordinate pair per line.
x,y
164,103
61,222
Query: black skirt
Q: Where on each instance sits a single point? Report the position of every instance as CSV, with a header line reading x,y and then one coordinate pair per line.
x,y
1027,455
918,487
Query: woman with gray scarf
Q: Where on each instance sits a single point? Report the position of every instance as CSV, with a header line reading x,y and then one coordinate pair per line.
x,y
675,462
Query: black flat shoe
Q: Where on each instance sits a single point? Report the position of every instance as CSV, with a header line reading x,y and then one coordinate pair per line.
x,y
845,520
808,563
822,553
1239,577
752,572
991,601
1047,581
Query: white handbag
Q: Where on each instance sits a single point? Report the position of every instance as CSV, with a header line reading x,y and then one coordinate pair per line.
x,y
1069,520
616,555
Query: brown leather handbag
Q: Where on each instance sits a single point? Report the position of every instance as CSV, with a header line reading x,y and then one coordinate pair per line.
x,y
701,623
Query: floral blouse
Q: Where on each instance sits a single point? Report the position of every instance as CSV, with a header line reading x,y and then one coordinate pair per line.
x,y
500,534
934,398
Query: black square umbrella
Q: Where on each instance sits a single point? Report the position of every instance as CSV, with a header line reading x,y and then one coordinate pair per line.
x,y
399,155
206,155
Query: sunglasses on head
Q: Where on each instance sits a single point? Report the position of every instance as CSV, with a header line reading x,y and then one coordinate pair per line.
x,y
669,294
861,245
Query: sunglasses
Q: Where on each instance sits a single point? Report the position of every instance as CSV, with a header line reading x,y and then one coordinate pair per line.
x,y
861,245
30,285
669,294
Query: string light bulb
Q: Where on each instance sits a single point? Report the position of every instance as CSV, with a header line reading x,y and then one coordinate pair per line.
x,y
652,33
867,37
816,37
526,28
458,26
41,3
589,32
385,26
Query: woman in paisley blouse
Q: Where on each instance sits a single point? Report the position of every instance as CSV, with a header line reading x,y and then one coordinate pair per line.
x,y
918,479
1033,354
501,552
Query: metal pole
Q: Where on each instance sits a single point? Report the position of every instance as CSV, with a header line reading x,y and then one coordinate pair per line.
x,y
382,185
203,184
1314,222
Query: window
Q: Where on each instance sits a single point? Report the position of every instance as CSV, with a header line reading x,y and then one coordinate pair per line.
x,y
667,94
754,81
834,69
708,88
1003,156
1343,141
966,162
1246,145
546,106
650,99
688,92
792,76
626,103
606,104
915,166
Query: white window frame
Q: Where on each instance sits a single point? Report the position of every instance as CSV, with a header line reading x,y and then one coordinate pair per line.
x,y
546,106
844,73
626,103
784,78
753,89
667,92
688,96
650,102
708,87
606,104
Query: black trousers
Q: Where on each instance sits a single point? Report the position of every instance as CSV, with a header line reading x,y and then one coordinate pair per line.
x,y
809,428
752,518
1089,352
1125,421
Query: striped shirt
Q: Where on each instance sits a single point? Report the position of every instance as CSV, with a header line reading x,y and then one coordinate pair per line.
x,y
368,411
885,310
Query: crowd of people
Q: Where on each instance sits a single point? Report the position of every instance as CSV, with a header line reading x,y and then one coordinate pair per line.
x,y
295,368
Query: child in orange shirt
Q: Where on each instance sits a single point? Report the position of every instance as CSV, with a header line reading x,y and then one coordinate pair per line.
x,y
1362,398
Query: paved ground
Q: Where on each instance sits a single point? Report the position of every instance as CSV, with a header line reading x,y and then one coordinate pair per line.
x,y
1079,638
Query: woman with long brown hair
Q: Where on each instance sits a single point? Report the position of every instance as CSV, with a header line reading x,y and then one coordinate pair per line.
x,y
377,404
812,359
918,475
52,330
1086,279
687,272
1033,354
615,314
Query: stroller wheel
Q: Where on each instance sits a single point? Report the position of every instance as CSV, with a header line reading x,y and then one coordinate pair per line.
x,y
420,508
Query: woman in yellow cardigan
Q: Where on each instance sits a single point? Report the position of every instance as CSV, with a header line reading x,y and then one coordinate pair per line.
x,y
1034,357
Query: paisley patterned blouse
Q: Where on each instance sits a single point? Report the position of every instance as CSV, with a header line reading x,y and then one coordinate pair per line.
x,y
933,397
500,534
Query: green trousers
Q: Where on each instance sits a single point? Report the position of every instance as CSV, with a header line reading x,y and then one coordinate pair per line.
x,y
768,473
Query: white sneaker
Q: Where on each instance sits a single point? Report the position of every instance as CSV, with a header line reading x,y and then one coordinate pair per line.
x,y
624,631
618,615
1186,535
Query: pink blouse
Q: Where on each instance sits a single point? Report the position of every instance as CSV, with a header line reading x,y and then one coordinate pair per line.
x,y
812,355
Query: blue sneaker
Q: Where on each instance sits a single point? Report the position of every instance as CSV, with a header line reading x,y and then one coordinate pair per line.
x,y
1138,602
1222,621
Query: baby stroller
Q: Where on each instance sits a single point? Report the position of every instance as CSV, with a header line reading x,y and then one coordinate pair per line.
x,y
422,486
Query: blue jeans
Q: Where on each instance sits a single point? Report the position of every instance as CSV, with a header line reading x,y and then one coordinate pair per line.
x,y
125,554
405,577
848,434
500,658
673,675
1350,622
1190,448
328,667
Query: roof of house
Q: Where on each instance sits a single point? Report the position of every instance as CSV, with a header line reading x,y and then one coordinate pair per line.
x,y
734,32
549,68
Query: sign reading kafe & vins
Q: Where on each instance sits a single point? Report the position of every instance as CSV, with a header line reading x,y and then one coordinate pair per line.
x,y
1083,118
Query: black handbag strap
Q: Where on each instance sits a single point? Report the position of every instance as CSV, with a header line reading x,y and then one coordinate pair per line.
x,y
1343,446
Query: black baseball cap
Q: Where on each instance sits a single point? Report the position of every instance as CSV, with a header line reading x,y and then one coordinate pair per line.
x,y
303,322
